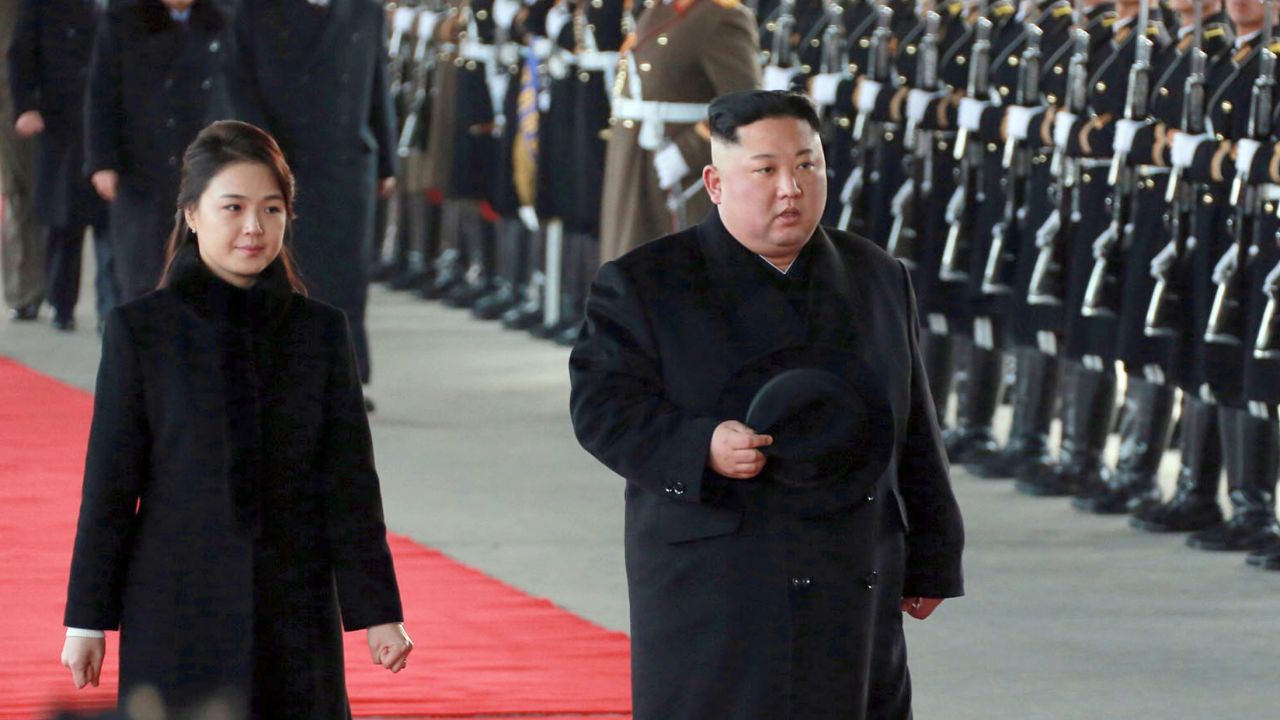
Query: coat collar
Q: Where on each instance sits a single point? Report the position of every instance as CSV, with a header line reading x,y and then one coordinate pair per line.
x,y
206,16
759,318
261,306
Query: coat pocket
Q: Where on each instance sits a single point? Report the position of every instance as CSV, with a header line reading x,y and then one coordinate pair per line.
x,y
680,522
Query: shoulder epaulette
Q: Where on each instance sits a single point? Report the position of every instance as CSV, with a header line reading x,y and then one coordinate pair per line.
x,y
1061,11
730,4
1215,31
1001,11
1108,20
954,9
1275,47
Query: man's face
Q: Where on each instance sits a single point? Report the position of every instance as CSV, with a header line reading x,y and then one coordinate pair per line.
x,y
1245,12
771,186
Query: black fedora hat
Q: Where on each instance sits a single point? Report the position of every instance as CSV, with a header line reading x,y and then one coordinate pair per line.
x,y
824,428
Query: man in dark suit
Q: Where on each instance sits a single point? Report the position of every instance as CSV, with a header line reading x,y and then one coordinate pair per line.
x,y
754,593
48,66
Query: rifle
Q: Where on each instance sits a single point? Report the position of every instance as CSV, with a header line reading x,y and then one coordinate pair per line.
x,y
1226,318
835,42
1048,277
997,276
868,142
413,131
955,254
1102,293
1267,346
919,162
780,54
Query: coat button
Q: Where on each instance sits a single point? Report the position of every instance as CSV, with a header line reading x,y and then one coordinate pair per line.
x,y
872,578
871,496
800,583
1226,106
71,32
663,40
173,161
1207,199
168,83
206,84
645,67
584,77
215,46
170,122
678,487
1101,87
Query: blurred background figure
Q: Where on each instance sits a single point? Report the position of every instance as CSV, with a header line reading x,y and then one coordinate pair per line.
x,y
20,241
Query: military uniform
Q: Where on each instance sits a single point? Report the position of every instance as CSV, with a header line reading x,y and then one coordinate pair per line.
x,y
685,52
20,240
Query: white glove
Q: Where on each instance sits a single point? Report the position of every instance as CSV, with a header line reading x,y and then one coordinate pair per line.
x,y
504,11
851,185
868,91
1271,283
1183,150
402,21
556,19
1246,149
1126,130
824,88
970,114
1017,120
918,104
427,23
671,166
529,217
1062,124
1162,263
899,203
1049,230
1102,244
955,206
776,78
1226,266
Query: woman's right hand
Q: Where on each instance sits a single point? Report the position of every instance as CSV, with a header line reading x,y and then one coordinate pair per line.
x,y
83,656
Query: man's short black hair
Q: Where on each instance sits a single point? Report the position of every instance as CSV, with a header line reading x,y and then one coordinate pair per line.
x,y
729,112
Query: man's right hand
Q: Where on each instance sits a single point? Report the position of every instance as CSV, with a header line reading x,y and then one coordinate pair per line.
x,y
83,656
29,123
734,450
105,181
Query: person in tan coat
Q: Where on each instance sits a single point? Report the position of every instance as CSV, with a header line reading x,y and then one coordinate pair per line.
x,y
20,241
682,54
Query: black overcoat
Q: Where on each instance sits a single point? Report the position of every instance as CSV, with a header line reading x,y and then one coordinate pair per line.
x,y
749,601
231,523
319,85
48,66
155,83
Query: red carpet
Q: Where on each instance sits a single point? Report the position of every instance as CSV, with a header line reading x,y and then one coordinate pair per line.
x,y
484,649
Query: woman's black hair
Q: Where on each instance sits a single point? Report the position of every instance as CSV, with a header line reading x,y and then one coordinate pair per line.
x,y
223,143
729,112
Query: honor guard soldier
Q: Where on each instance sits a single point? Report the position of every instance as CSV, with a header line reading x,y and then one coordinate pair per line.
x,y
1238,108
314,75
681,55
159,76
21,246
48,68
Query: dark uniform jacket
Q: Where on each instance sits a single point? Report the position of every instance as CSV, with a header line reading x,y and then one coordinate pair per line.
x,y
230,502
748,600
154,84
48,67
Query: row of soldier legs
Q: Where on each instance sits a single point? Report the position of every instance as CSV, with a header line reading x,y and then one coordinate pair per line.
x,y
1096,375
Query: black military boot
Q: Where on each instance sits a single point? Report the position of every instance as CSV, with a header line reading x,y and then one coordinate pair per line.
x,y
1098,389
1253,448
1144,435
1194,505
1088,397
1033,396
977,442
479,278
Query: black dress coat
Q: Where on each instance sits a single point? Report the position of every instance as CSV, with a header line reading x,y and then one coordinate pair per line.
x,y
316,79
749,600
48,67
154,84
231,523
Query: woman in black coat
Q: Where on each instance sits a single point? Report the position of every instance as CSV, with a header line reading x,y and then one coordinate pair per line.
x,y
231,515
158,76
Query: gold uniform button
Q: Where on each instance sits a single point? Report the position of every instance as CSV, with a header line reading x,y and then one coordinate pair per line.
x,y
853,68
482,15
770,27
864,43
597,4
1013,61
1219,137
960,60
471,64
459,62
911,49
1226,106
1269,208
584,77
1164,92
1207,199
1053,99
1004,90
1101,87
1057,70
888,136
1086,178
805,69
628,124
816,42
942,145
843,122
662,40
645,67
992,147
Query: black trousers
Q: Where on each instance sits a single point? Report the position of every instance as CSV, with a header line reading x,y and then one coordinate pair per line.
x,y
62,262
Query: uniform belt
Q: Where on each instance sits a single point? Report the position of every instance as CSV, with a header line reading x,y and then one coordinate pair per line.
x,y
1269,192
655,115
1148,171
478,52
1094,163
598,60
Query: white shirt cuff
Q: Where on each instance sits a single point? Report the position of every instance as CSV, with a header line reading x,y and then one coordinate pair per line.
x,y
81,632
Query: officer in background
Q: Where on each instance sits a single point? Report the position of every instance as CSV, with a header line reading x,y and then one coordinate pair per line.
x,y
314,74
48,67
681,55
159,76
21,244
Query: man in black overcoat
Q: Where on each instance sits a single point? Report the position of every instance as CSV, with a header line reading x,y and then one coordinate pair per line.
x,y
48,66
757,593
314,75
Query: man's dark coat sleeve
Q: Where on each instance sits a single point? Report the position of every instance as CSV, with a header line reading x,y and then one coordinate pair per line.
x,y
935,535
618,403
